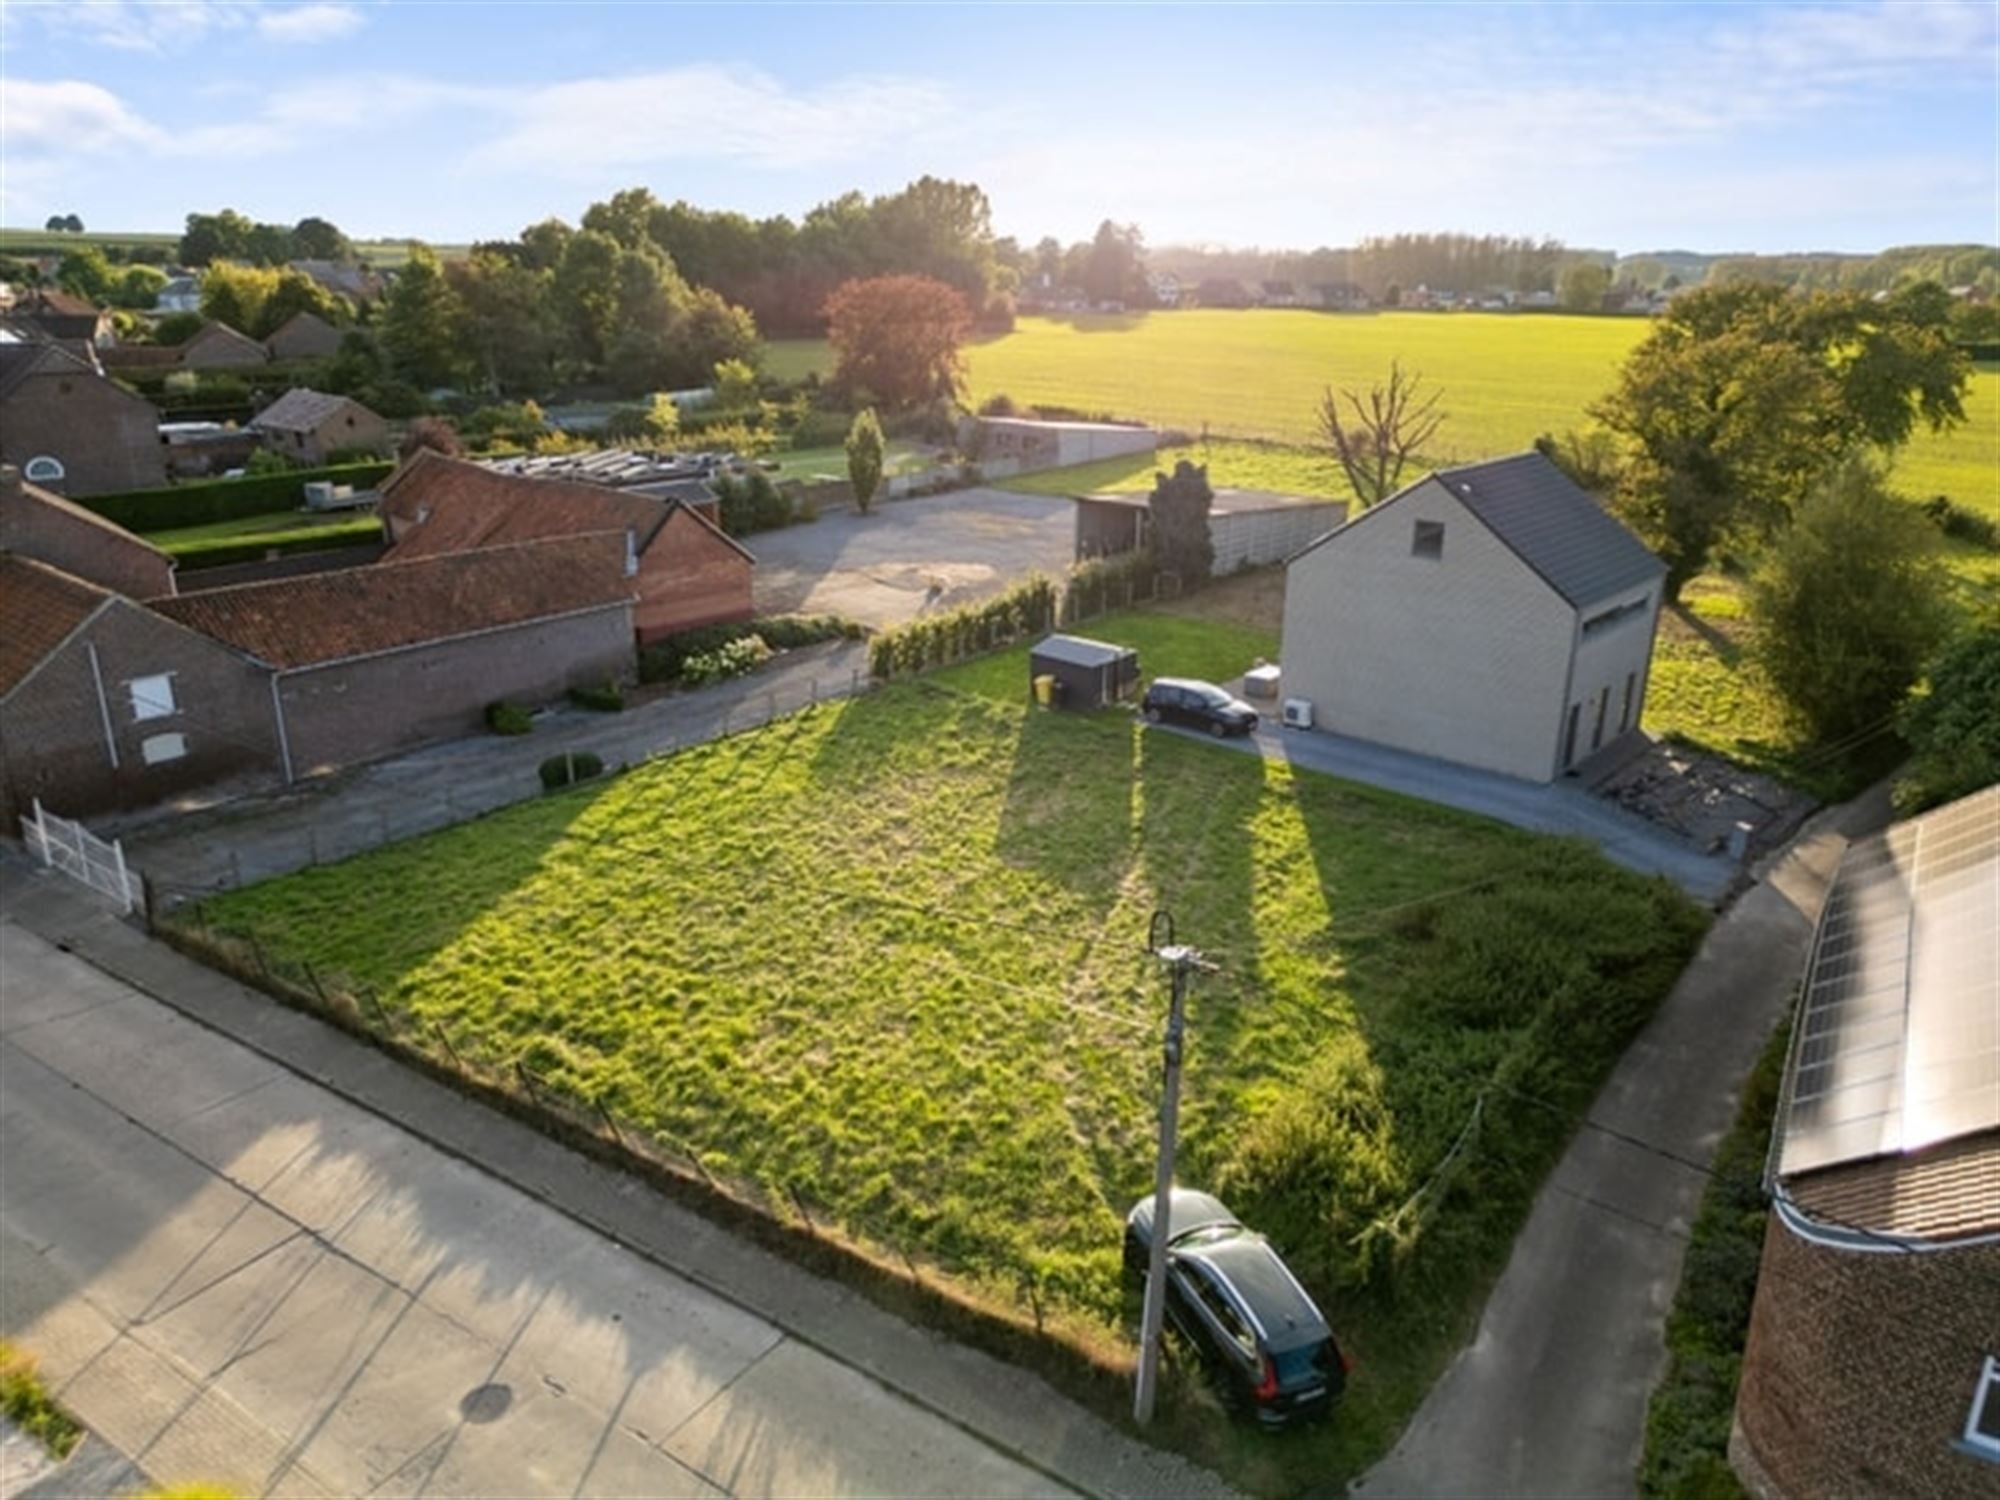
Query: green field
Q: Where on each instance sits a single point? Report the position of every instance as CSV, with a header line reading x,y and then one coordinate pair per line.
x,y
284,528
1505,378
888,954
378,253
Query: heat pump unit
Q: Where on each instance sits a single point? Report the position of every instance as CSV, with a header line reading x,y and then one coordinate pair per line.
x,y
1298,713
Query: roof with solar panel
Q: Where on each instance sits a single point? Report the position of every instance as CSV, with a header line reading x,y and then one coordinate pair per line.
x,y
1891,1118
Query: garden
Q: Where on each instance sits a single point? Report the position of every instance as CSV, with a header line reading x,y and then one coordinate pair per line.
x,y
885,959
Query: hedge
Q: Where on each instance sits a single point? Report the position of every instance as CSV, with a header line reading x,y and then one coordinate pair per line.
x,y
208,501
221,551
1028,608
665,660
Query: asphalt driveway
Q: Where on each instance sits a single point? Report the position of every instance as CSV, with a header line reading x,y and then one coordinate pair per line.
x,y
912,556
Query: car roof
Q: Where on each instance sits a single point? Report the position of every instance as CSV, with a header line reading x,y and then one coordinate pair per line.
x,y
1187,682
1268,1290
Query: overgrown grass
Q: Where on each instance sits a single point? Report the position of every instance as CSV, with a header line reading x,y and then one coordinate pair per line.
x,y
28,1405
794,359
888,955
1686,1455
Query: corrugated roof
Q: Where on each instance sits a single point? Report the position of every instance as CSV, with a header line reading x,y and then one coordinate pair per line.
x,y
39,607
1898,1046
323,617
1554,526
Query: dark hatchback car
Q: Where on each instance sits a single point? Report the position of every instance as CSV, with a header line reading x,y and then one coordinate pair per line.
x,y
1234,1300
1199,705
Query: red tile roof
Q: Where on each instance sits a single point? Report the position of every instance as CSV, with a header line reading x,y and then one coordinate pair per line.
x,y
34,494
324,617
39,607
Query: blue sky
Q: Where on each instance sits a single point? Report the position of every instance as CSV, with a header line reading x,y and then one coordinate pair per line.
x,y
1716,127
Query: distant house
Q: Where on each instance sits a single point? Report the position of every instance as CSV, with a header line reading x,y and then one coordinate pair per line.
x,y
304,335
686,572
1166,288
181,294
1494,615
356,283
217,346
310,426
1280,294
37,523
1340,296
69,429
57,315
1223,291
1872,1364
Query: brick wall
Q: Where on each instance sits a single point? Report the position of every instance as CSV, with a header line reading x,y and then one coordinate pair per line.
x,y
350,427
689,576
35,528
105,438
345,713
1859,1370
52,741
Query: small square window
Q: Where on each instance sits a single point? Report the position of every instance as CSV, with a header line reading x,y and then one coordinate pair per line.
x,y
158,748
1427,540
1982,1422
152,697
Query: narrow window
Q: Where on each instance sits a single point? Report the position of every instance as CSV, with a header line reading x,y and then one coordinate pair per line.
x,y
1597,729
1427,539
155,749
152,697
1982,1422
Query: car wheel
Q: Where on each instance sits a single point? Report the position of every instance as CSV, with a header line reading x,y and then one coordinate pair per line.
x,y
1217,728
1152,714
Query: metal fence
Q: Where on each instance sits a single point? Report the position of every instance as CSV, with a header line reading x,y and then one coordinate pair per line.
x,y
66,845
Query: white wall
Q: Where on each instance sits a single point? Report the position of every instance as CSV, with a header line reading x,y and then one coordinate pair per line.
x,y
1463,657
1082,444
1269,536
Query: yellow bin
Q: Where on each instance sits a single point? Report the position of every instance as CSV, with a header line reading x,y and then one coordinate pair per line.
x,y
1045,689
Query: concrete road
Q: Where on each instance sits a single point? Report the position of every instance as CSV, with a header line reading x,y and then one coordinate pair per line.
x,y
236,1277
1550,1397
912,556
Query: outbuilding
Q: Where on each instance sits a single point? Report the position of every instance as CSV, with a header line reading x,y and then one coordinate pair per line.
x,y
1081,673
1246,528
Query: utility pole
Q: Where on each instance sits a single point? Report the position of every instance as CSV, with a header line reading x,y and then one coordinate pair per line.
x,y
1181,961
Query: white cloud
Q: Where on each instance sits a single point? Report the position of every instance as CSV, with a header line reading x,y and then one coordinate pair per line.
x,y
46,119
309,23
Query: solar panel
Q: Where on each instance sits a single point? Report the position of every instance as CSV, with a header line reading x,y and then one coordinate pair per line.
x,y
1899,1032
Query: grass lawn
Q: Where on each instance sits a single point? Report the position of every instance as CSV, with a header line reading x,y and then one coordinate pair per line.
x,y
1232,464
275,528
794,359
831,462
889,953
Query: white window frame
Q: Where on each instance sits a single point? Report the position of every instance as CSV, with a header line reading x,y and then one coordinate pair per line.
x,y
151,708
1985,1393
44,468
160,749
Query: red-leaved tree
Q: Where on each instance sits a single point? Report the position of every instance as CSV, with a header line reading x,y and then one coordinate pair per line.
x,y
896,339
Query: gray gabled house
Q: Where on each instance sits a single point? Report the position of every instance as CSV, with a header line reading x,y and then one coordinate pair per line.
x,y
1494,615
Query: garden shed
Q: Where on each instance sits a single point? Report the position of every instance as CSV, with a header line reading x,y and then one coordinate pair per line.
x,y
1067,671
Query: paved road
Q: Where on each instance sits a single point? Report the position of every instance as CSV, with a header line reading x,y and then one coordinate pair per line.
x,y
912,556
237,1277
1550,1397
258,837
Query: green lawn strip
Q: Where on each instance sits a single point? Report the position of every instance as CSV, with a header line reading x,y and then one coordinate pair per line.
x,y
831,462
1232,464
1686,1455
28,1405
273,527
888,955
1168,645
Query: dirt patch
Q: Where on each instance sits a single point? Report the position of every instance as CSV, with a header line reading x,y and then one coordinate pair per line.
x,y
1255,598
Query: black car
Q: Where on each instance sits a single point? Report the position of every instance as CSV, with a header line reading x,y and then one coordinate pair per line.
x,y
1199,705
1234,1300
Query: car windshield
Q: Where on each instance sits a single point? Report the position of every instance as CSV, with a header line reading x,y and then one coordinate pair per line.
x,y
1214,697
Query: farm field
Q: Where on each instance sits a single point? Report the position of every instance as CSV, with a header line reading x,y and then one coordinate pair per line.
x,y
1505,378
888,954
378,253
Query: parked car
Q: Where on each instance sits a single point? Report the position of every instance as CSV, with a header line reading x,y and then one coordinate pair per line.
x,y
1199,705
1232,1298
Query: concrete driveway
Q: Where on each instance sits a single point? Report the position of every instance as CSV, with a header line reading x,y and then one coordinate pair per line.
x,y
238,1278
912,556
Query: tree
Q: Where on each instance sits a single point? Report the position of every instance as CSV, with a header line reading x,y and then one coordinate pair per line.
x,y
1953,728
212,237
653,425
320,239
896,339
1582,286
432,434
136,286
1848,606
236,294
293,292
56,224
507,331
178,328
85,273
866,456
735,385
420,322
1179,508
1115,270
1376,438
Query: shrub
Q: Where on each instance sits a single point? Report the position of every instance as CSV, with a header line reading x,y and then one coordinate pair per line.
x,y
1000,404
738,436
820,427
1107,583
568,769
508,718
865,456
1960,524
27,1404
652,425
745,654
665,660
266,461
607,699
212,500
1028,608
1953,728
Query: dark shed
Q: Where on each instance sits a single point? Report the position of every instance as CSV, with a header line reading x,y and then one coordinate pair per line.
x,y
1086,674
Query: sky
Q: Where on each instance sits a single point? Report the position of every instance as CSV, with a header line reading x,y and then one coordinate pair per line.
x,y
1749,127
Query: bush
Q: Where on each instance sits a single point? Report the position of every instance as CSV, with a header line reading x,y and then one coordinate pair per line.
x,y
608,699
1108,583
27,1404
1953,728
1000,404
821,427
1960,524
508,718
211,500
653,425
751,503
567,769
266,461
733,660
665,660
1028,608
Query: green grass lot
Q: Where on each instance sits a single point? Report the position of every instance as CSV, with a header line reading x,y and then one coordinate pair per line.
x,y
810,463
276,528
889,953
795,359
378,253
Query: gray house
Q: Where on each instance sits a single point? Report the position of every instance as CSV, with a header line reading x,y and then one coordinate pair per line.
x,y
1494,615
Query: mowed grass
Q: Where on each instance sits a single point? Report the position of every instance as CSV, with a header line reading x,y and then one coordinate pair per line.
x,y
888,954
335,528
1232,464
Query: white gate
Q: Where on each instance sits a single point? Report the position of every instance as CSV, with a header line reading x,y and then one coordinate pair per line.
x,y
66,845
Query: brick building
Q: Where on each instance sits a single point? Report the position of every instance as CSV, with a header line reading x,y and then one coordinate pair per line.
x,y
686,572
1873,1361
69,429
41,525
217,346
304,335
309,427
